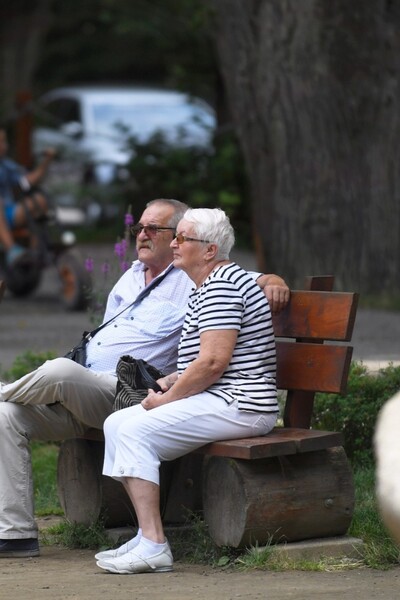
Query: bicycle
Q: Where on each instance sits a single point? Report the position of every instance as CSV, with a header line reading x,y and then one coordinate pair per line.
x,y
48,243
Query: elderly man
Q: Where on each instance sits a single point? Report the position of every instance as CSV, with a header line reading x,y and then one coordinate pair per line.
x,y
62,399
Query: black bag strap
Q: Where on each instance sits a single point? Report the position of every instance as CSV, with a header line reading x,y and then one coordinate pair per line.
x,y
88,335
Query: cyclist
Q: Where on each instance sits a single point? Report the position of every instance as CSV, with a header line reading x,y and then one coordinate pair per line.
x,y
14,177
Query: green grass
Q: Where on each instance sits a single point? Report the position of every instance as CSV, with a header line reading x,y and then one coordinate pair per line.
x,y
193,544
380,550
44,465
74,535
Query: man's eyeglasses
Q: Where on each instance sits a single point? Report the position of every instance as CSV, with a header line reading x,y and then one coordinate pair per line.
x,y
180,238
150,230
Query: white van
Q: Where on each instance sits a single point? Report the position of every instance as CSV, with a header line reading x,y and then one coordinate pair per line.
x,y
90,125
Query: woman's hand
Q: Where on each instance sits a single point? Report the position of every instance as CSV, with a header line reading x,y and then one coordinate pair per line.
x,y
167,382
152,400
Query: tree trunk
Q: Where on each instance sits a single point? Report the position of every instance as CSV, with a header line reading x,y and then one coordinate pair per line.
x,y
23,26
314,92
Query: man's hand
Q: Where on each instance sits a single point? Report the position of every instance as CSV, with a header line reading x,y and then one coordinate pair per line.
x,y
50,153
276,291
277,296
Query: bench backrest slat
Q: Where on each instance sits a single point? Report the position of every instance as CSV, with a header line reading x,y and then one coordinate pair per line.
x,y
317,315
305,364
312,367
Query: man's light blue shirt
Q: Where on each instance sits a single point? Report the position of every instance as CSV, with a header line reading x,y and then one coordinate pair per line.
x,y
150,330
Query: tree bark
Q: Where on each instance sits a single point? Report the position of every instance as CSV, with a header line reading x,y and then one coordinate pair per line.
x,y
278,500
23,25
313,88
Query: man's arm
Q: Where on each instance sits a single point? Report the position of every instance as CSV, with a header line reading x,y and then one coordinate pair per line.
x,y
33,177
276,290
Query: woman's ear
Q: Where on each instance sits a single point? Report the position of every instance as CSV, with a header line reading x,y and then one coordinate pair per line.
x,y
211,251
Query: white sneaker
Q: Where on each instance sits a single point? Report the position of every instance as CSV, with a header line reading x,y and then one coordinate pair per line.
x,y
129,545
134,562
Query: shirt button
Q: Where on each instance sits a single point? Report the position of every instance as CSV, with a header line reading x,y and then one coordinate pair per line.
x,y
131,318
121,470
99,343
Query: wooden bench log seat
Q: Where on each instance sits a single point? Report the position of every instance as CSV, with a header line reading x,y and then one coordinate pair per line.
x,y
293,484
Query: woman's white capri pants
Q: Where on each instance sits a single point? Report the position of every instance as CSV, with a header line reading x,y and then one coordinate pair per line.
x,y
137,440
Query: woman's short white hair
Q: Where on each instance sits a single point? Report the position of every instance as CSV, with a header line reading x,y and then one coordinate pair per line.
x,y
213,225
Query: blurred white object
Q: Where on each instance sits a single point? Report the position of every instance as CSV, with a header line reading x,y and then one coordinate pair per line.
x,y
68,238
70,216
387,453
90,125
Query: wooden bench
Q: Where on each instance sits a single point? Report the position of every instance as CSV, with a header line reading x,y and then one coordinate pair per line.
x,y
293,484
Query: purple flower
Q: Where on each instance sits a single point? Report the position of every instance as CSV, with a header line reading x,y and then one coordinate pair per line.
x,y
121,248
129,220
105,268
89,265
124,265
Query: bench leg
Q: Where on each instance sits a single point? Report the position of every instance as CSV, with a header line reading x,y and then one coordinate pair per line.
x,y
87,496
280,499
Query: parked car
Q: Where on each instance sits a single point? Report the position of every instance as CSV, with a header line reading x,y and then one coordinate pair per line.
x,y
90,126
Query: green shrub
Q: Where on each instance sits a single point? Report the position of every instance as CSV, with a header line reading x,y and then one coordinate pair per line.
x,y
355,413
193,175
25,363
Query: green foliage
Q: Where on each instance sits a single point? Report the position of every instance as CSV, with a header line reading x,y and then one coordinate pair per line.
x,y
380,551
355,413
192,543
44,465
163,42
25,363
193,175
74,535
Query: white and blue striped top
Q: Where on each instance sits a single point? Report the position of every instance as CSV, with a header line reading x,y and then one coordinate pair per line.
x,y
230,299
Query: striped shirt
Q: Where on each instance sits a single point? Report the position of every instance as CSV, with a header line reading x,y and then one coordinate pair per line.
x,y
230,299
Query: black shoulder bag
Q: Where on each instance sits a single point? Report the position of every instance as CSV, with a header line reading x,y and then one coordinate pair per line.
x,y
135,377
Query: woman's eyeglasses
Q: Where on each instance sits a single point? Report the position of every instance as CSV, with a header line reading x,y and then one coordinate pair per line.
x,y
180,238
150,230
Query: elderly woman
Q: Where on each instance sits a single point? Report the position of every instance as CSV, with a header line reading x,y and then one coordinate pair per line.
x,y
224,387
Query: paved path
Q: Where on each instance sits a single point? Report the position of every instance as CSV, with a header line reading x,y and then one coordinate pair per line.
x,y
39,323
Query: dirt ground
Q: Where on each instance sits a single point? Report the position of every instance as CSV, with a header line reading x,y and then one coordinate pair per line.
x,y
61,574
